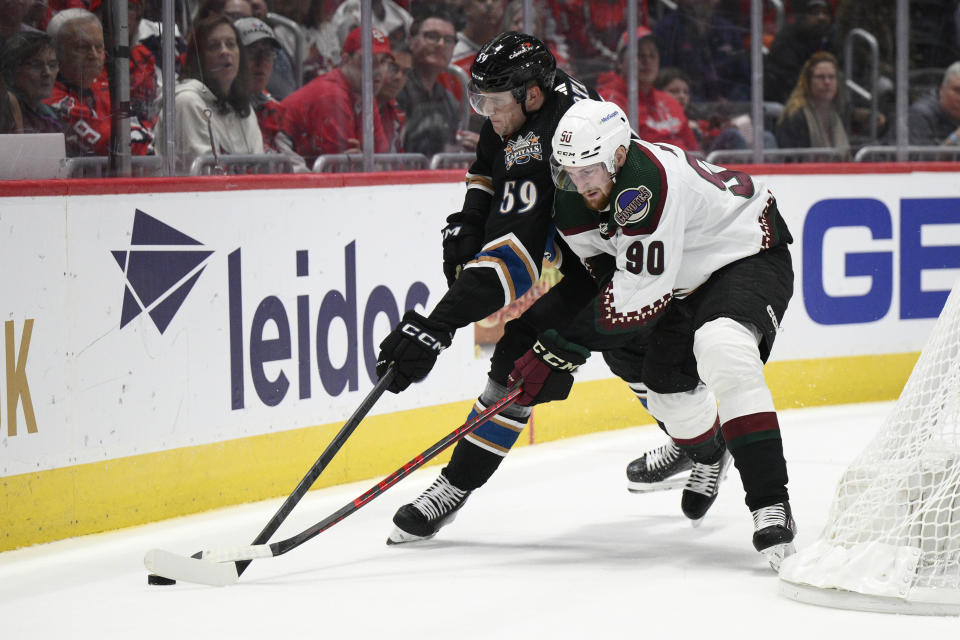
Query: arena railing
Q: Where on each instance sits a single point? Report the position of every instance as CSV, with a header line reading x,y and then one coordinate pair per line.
x,y
873,95
879,153
353,162
99,166
816,154
455,160
240,164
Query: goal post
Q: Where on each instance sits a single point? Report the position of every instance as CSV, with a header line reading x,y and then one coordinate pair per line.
x,y
892,539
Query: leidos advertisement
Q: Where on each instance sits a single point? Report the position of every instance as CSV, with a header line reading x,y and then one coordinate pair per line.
x,y
138,323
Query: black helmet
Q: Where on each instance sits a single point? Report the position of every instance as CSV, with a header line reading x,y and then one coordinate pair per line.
x,y
509,61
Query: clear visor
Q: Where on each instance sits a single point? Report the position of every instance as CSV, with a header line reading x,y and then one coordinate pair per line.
x,y
486,104
578,179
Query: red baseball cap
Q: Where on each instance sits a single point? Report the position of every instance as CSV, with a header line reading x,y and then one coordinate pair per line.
x,y
380,42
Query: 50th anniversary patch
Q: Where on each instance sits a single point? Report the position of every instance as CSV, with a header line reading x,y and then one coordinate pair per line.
x,y
631,205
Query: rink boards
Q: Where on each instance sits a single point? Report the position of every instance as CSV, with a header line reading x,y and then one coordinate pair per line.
x,y
172,346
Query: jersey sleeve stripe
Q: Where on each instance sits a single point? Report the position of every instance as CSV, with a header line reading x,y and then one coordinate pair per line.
x,y
476,181
502,271
516,269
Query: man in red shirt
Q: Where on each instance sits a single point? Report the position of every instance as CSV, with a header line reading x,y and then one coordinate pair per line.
x,y
660,116
81,95
324,116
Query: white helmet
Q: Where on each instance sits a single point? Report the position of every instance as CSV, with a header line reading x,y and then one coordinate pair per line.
x,y
589,132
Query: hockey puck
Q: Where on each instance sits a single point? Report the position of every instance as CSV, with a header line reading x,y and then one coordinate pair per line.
x,y
159,580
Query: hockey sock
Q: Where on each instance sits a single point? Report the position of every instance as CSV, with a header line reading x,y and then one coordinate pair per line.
x,y
470,466
757,450
477,456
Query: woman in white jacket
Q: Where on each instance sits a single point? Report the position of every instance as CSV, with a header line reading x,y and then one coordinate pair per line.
x,y
212,98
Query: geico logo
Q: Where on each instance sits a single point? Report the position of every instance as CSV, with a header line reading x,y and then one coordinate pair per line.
x,y
876,262
302,339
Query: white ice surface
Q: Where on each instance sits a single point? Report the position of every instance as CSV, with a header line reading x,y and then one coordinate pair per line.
x,y
552,547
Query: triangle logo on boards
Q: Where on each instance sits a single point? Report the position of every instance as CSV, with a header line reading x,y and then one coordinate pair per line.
x,y
161,267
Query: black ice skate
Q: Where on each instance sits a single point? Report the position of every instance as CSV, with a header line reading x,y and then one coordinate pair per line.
x,y
773,533
658,469
702,487
432,509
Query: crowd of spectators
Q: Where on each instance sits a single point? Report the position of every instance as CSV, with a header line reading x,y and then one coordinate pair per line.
x,y
243,86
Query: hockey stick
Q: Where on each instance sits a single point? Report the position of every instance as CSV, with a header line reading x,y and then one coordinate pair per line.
x,y
311,477
220,567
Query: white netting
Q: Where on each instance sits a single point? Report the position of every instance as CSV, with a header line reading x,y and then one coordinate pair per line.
x,y
893,532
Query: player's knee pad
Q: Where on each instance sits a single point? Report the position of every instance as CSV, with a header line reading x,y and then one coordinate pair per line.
x,y
499,433
728,361
687,415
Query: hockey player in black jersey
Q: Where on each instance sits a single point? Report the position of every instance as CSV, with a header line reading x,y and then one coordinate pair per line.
x,y
492,255
493,250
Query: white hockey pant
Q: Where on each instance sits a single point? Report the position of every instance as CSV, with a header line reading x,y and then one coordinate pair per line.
x,y
687,415
728,361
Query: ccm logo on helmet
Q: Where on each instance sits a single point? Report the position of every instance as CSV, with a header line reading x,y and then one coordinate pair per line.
x,y
422,337
552,359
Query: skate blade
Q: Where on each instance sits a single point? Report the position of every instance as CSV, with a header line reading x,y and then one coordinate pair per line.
x,y
777,553
399,536
696,523
650,487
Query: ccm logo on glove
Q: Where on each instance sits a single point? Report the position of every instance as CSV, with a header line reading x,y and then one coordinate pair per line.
x,y
422,336
413,346
553,360
545,372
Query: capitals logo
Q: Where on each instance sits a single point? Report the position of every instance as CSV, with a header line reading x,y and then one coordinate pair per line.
x,y
522,149
631,205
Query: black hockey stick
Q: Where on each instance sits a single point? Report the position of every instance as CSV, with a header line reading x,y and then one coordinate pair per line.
x,y
332,449
220,567
311,477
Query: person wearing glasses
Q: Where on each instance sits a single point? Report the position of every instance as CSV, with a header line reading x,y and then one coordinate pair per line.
x,y
29,66
392,117
81,94
433,112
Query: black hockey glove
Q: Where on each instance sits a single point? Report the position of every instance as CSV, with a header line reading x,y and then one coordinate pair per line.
x,y
414,346
462,240
546,370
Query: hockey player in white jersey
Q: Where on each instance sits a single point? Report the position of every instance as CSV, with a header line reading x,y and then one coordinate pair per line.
x,y
700,259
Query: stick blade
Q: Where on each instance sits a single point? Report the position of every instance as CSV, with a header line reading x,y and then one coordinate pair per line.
x,y
177,567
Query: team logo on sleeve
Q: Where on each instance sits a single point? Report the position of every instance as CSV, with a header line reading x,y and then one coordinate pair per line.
x,y
521,149
631,205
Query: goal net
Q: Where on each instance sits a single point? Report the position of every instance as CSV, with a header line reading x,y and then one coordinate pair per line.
x,y
892,539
